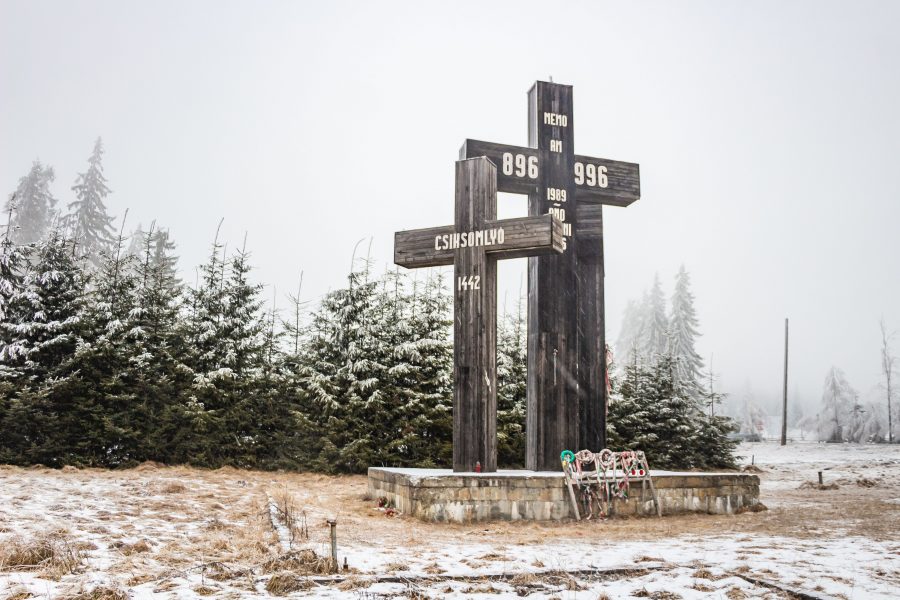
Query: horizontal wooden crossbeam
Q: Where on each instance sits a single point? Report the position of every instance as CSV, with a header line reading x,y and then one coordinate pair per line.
x,y
597,180
501,239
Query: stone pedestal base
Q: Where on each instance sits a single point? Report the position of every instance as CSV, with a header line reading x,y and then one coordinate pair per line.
x,y
442,495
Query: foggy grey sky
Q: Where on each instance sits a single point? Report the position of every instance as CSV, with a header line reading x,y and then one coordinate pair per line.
x,y
767,135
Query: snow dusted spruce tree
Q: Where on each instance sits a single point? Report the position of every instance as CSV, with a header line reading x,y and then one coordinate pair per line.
x,y
243,327
154,373
225,333
100,367
87,220
659,402
430,312
655,331
683,331
652,412
195,425
630,333
164,261
41,333
376,374
335,373
644,334
511,384
31,208
13,263
136,243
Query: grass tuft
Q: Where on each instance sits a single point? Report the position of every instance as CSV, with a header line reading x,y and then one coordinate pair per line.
x,y
305,562
282,584
54,555
100,592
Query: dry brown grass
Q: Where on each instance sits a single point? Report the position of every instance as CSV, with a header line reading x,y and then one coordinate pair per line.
x,y
282,584
135,548
393,567
736,593
354,583
100,592
493,557
305,562
51,555
173,487
482,588
291,514
657,595
205,590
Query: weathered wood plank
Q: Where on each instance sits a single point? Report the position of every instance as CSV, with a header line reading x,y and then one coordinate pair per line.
x,y
552,394
623,182
520,176
521,236
590,222
475,323
516,178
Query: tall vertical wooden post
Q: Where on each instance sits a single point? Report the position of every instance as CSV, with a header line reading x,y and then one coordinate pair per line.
x,y
784,404
553,392
475,323
566,393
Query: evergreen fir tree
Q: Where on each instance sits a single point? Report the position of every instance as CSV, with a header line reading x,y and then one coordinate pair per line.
x,y
38,346
88,222
651,412
336,374
31,208
655,329
164,257
155,371
431,356
631,332
195,424
683,333
243,343
100,374
136,242
511,386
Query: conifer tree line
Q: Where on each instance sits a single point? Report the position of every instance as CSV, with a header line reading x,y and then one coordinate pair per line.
x,y
661,402
108,359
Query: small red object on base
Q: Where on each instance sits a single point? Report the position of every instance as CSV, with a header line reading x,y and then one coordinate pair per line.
x,y
478,466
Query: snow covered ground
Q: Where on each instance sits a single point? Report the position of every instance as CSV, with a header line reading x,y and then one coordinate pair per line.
x,y
157,532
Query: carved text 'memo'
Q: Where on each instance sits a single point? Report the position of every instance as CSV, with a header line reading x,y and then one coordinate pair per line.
x,y
469,239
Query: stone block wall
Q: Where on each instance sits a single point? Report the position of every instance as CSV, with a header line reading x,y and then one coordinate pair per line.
x,y
436,495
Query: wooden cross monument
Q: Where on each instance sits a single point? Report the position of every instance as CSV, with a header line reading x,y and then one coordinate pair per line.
x,y
473,245
566,390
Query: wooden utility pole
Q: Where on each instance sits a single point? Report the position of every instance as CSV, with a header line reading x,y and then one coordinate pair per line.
x,y
784,405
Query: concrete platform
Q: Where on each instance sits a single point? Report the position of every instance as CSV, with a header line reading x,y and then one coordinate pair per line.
x,y
442,495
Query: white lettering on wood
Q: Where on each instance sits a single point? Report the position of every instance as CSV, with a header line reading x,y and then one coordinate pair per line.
x,y
551,118
591,175
519,165
470,239
465,283
556,194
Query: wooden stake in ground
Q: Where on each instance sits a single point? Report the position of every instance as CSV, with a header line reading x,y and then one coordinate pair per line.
x,y
784,405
